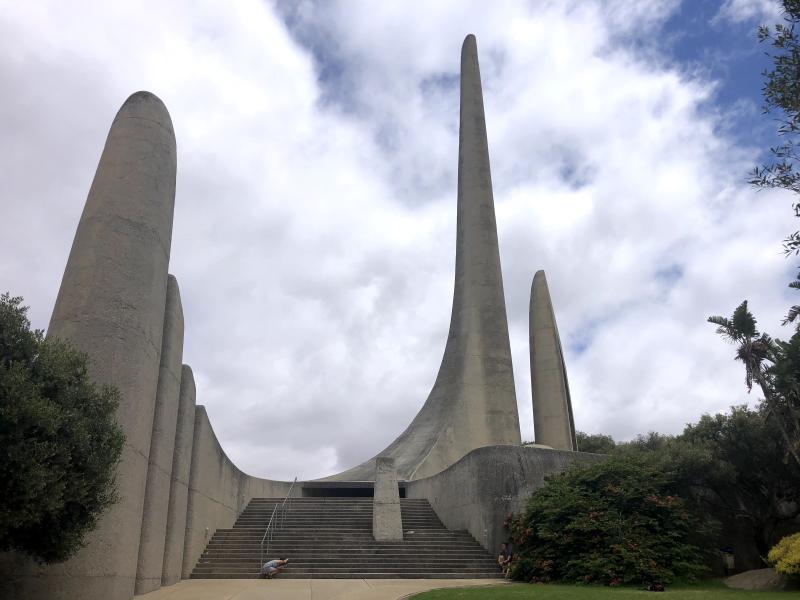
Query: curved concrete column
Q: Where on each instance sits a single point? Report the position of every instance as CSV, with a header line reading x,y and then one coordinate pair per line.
x,y
111,306
473,401
162,445
552,407
179,489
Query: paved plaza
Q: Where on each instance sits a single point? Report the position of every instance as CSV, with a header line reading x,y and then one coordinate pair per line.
x,y
305,589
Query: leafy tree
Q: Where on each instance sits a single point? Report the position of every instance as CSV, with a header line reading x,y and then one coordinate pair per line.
x,y
768,363
781,92
58,438
596,443
747,481
615,522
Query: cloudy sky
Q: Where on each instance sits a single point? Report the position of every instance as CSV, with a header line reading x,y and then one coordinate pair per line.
x,y
315,214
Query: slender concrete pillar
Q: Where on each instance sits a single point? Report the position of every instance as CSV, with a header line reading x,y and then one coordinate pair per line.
x,y
387,522
473,401
192,537
552,407
179,489
162,445
111,306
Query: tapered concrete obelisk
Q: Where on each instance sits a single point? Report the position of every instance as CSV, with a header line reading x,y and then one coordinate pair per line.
x,y
552,406
111,306
473,402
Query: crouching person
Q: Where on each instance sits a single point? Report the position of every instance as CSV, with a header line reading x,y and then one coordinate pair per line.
x,y
272,568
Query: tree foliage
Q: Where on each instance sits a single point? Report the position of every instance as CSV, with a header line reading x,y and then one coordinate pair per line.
x,y
59,441
750,479
615,522
596,443
785,556
772,365
651,511
781,93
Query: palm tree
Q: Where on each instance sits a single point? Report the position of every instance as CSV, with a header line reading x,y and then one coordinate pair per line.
x,y
759,353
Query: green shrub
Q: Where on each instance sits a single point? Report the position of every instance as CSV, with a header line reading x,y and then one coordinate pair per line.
x,y
785,555
59,441
613,522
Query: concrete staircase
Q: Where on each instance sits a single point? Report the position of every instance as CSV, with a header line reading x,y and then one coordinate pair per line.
x,y
328,538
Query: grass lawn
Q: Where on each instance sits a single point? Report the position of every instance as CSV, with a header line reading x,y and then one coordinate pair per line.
x,y
709,590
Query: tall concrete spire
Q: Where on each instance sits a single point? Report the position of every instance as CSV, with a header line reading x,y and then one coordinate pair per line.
x,y
111,306
473,402
552,406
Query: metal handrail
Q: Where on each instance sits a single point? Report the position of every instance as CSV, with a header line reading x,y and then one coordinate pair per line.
x,y
279,522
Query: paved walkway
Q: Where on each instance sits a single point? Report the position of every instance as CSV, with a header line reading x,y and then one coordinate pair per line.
x,y
304,589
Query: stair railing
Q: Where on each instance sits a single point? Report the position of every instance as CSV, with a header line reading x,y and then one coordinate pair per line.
x,y
276,521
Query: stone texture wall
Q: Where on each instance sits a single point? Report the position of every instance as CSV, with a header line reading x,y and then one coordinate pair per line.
x,y
479,491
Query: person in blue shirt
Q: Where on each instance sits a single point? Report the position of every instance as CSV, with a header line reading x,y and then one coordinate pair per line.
x,y
272,568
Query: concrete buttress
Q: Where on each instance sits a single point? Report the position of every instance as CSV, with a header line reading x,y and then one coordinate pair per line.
x,y
179,488
162,445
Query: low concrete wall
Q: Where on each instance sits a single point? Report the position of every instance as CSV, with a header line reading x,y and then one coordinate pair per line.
x,y
479,491
218,491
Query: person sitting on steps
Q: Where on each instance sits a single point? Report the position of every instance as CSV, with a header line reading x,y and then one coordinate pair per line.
x,y
504,559
272,568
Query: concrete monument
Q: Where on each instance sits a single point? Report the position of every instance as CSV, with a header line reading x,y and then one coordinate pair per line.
x,y
177,486
473,402
162,446
552,406
111,305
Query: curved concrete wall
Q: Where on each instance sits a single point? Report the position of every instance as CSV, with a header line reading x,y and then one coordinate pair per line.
x,y
218,491
479,491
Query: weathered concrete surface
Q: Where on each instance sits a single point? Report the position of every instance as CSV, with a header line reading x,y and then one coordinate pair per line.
x,y
387,522
552,407
473,402
111,306
309,589
179,480
218,491
488,484
162,445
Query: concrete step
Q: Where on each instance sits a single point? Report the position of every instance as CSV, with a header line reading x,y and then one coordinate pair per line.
x,y
229,556
328,575
253,570
332,538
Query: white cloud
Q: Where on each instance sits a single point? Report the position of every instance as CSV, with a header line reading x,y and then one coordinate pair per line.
x,y
315,216
739,11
